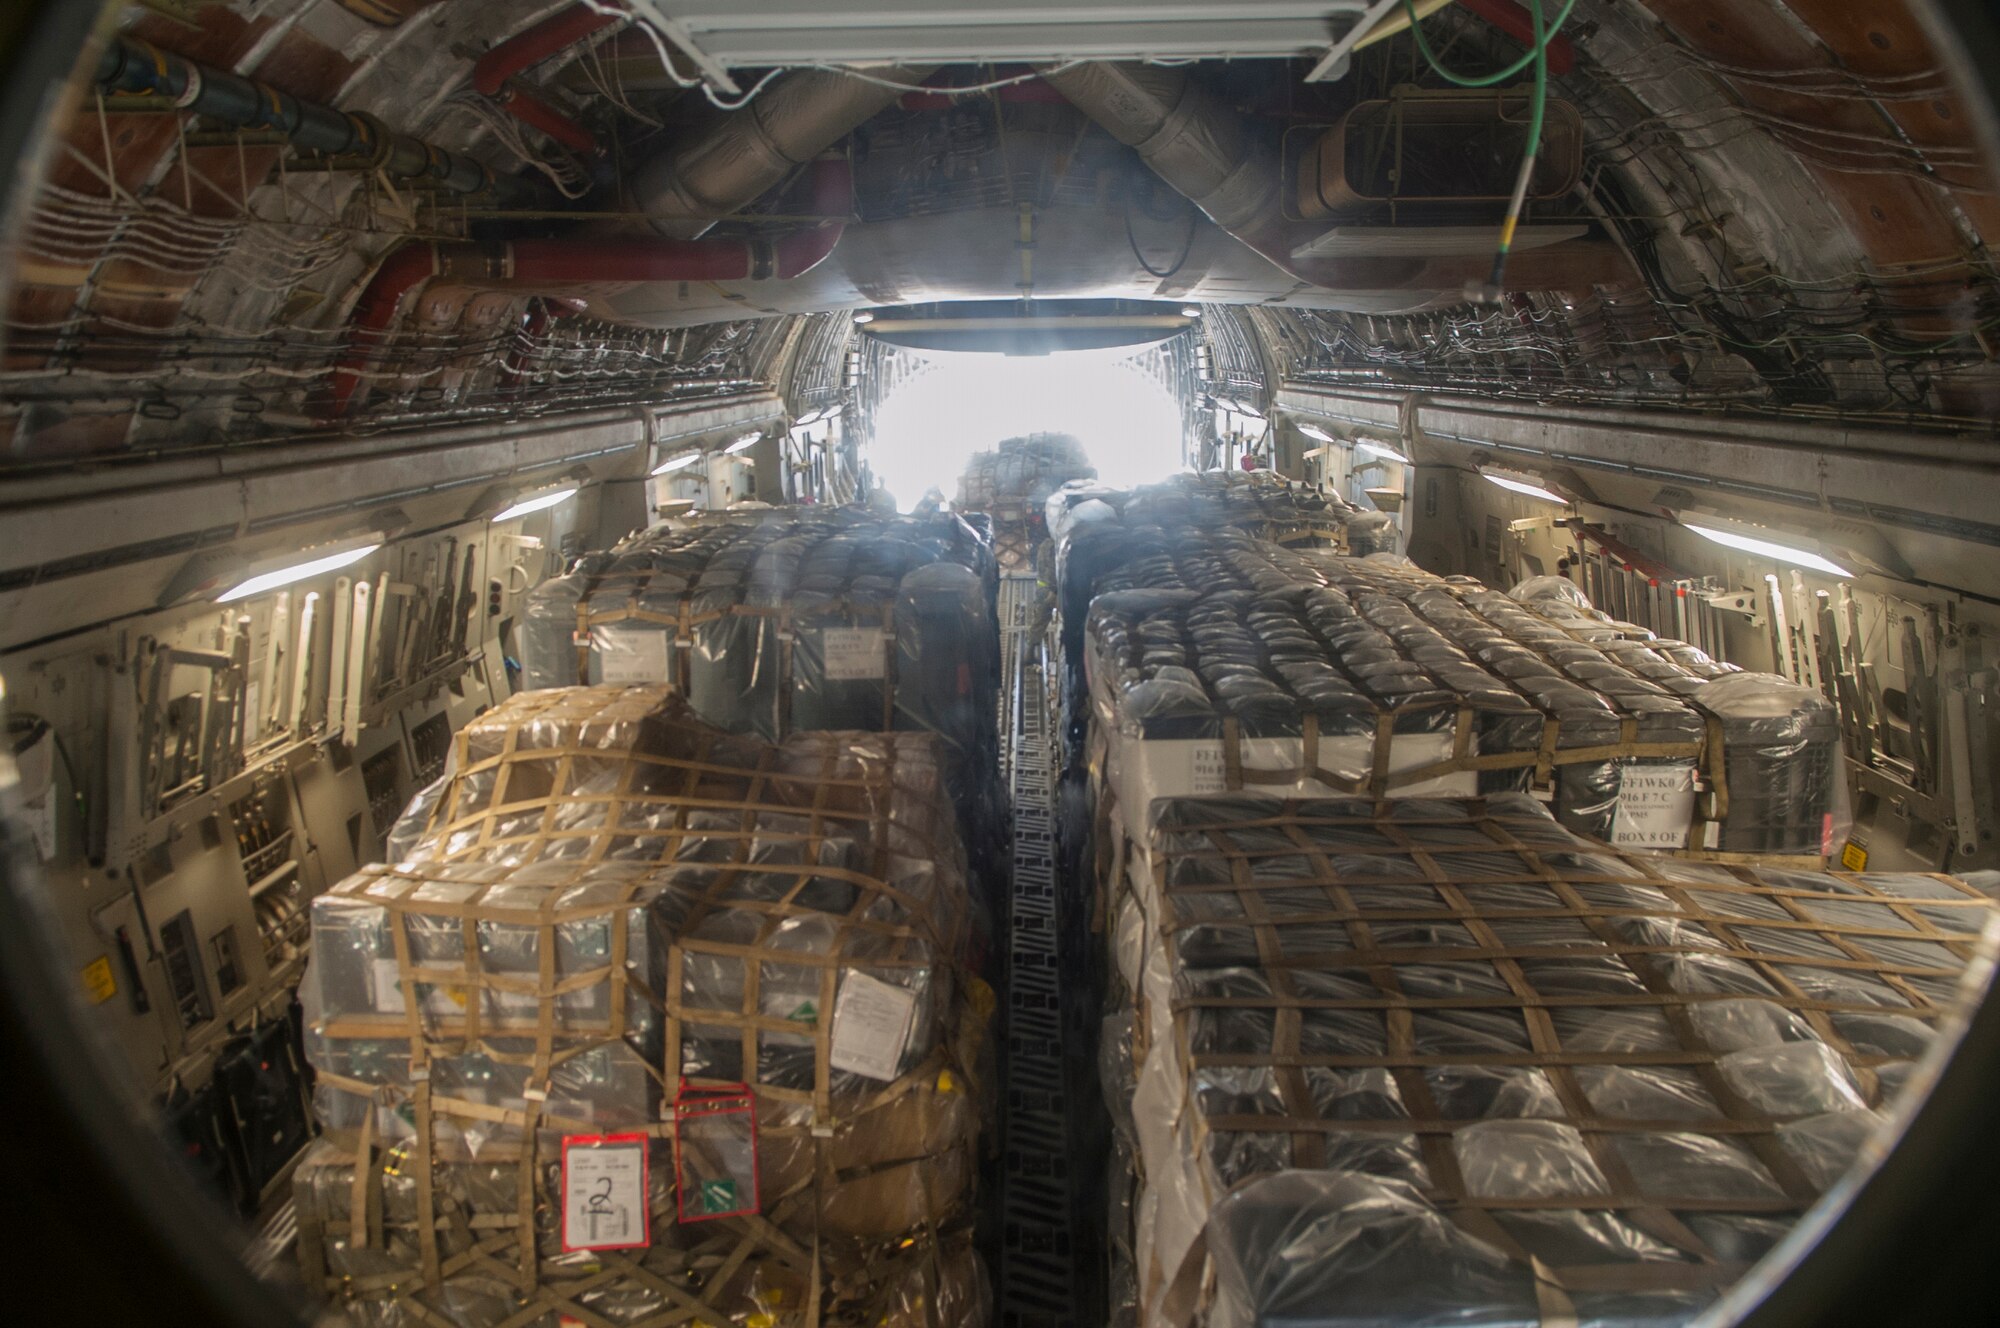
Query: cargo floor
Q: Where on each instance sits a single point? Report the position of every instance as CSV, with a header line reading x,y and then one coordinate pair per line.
x,y
1052,1121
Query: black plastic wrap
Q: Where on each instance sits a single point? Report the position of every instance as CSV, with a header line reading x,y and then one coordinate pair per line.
x,y
1401,1052
1180,632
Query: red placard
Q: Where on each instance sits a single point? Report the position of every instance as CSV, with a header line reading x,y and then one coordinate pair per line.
x,y
715,1153
605,1192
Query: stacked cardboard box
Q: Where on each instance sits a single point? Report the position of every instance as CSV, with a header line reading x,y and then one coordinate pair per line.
x,y
622,938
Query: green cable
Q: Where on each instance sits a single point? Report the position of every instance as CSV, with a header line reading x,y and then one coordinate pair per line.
x,y
1488,80
1538,55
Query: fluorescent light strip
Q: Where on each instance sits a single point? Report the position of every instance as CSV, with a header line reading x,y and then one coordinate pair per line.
x,y
742,444
537,503
1531,490
1388,453
681,462
1313,431
284,576
1783,553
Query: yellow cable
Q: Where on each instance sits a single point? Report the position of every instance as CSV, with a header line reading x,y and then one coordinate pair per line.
x,y
1399,19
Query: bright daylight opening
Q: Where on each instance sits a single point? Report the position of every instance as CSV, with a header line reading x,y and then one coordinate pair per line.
x,y
965,402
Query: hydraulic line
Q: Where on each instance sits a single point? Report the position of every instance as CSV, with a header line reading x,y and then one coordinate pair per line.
x,y
131,66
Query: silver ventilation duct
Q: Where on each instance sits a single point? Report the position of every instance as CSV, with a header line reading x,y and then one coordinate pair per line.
x,y
1192,141
748,152
1222,164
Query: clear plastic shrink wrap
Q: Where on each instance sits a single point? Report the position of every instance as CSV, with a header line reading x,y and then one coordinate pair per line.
x,y
835,619
1011,487
736,612
610,904
1023,470
1441,1061
1370,533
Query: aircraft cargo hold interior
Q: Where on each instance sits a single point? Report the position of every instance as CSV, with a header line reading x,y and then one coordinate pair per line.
x,y
861,665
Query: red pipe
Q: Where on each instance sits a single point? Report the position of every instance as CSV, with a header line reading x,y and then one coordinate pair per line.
x,y
532,111
531,47
832,196
551,266
376,311
532,327
557,263
1517,23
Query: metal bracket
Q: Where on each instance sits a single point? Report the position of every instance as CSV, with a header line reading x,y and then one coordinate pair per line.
x,y
649,12
1334,63
1749,603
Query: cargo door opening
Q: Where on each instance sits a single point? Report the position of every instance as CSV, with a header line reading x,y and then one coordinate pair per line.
x,y
956,404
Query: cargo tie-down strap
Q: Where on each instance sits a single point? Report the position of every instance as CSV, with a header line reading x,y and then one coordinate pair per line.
x,y
1342,970
589,830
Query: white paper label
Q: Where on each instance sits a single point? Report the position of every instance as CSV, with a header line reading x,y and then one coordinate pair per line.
x,y
388,987
1655,804
42,826
437,1000
624,657
871,1026
1208,771
604,1196
1143,770
852,654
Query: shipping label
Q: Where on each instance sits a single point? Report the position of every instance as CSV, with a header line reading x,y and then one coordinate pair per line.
x,y
604,1189
1655,804
853,654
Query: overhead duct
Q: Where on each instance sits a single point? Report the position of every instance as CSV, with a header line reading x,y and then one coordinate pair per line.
x,y
1225,167
748,152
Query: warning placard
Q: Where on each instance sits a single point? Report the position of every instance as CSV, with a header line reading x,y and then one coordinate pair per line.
x,y
1655,804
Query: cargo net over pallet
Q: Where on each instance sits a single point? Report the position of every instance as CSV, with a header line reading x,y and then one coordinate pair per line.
x,y
773,622
1218,663
1426,1060
653,1024
776,623
1011,486
1262,504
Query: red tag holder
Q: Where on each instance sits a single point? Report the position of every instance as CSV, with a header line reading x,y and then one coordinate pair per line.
x,y
715,1152
606,1198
